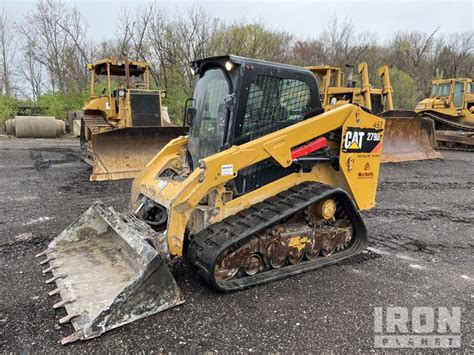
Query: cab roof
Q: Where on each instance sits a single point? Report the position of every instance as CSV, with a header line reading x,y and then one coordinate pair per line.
x,y
447,81
117,67
322,69
244,61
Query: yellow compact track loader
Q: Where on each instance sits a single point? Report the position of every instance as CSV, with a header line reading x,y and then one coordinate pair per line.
x,y
408,136
451,107
265,186
125,125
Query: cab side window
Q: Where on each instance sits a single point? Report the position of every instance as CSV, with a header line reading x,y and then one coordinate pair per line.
x,y
274,103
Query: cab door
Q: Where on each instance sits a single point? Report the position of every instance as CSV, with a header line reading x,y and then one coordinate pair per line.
x,y
458,94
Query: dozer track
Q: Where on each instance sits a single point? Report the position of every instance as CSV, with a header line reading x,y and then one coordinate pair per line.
x,y
92,123
277,238
452,135
447,122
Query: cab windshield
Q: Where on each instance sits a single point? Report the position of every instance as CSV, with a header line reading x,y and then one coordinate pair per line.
x,y
206,135
443,89
434,89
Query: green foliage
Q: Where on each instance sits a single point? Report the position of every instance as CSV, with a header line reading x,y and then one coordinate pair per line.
x,y
406,93
177,91
404,46
253,40
8,107
175,101
57,104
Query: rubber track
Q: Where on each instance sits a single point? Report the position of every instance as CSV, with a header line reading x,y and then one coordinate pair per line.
x,y
206,247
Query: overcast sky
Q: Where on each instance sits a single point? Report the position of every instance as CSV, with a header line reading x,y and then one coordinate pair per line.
x,y
304,19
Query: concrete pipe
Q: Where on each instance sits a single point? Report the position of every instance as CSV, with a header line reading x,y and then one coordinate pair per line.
x,y
61,128
38,127
10,127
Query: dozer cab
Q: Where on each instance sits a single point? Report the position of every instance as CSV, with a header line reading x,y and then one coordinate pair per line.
x,y
265,186
407,135
451,107
124,123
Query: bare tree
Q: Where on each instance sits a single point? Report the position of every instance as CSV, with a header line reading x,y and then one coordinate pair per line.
x,y
412,52
159,38
453,56
191,37
174,41
56,38
32,73
342,44
308,52
7,53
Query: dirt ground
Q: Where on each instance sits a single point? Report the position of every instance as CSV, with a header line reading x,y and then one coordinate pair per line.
x,y
420,254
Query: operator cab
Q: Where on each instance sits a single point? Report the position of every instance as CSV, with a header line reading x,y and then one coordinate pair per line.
x,y
237,100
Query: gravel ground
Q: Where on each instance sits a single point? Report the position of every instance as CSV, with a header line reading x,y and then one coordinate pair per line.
x,y
420,254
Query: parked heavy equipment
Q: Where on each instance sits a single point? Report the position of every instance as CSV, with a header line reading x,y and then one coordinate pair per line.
x,y
451,107
123,126
265,186
407,135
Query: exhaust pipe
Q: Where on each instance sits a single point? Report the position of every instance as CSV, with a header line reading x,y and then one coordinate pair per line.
x,y
350,83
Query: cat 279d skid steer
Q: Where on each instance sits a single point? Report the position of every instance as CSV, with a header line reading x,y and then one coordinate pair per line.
x,y
265,186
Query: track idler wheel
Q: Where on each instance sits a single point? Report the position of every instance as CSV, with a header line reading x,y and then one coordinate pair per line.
x,y
253,264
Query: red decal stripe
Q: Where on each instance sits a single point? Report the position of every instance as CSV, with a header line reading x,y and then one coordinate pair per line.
x,y
377,148
318,143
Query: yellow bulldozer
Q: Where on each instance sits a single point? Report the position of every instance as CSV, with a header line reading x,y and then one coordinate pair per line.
x,y
265,186
125,124
408,136
451,107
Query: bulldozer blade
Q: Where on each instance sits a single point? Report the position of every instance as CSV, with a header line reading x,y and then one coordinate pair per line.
x,y
107,272
408,137
122,153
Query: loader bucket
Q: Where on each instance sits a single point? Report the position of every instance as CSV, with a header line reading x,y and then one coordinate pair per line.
x,y
107,273
123,153
408,137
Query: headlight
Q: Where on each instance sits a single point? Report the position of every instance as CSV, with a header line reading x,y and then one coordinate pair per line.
x,y
229,65
420,107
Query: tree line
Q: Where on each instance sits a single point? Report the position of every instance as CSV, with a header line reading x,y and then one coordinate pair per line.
x,y
44,56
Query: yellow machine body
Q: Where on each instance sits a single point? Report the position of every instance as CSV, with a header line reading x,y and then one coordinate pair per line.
x,y
453,98
265,185
451,107
358,174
